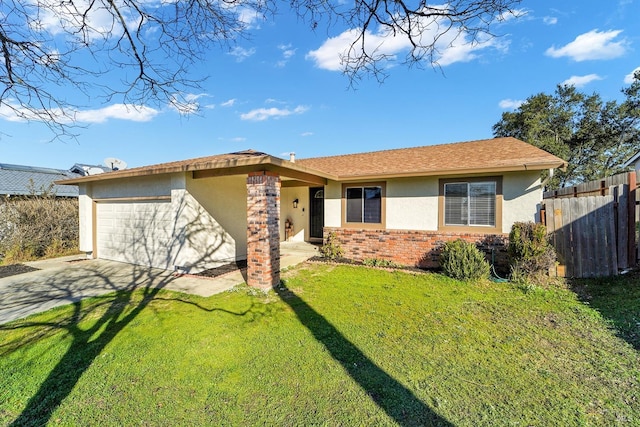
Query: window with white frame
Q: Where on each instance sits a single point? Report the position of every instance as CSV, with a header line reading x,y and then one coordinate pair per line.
x,y
470,204
364,204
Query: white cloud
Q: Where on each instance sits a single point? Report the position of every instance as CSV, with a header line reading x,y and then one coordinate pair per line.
x,y
467,51
287,53
136,113
187,103
241,53
228,103
261,114
305,134
250,18
592,45
117,111
580,81
628,79
57,17
510,104
513,14
450,47
550,20
238,139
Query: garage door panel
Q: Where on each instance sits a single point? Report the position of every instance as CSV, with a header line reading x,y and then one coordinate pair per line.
x,y
135,232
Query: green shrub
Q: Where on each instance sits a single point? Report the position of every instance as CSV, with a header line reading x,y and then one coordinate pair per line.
x,y
379,262
331,248
530,253
463,261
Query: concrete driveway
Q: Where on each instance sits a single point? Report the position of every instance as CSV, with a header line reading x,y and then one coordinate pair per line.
x,y
69,279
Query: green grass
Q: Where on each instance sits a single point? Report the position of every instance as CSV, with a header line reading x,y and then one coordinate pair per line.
x,y
618,299
336,345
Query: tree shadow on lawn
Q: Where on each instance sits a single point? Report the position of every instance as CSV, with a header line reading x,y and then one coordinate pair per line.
x,y
117,311
105,319
391,396
617,299
91,328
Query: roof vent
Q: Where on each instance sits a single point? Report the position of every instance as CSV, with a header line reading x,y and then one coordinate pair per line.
x,y
292,157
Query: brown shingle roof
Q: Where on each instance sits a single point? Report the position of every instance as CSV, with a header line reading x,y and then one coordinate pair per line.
x,y
489,155
485,156
242,161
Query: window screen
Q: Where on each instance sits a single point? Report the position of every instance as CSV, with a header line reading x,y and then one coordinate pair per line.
x,y
364,204
470,203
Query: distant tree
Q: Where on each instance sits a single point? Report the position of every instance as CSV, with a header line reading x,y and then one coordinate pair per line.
x,y
144,51
595,137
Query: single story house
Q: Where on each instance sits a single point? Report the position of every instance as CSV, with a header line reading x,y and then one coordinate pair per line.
x,y
394,204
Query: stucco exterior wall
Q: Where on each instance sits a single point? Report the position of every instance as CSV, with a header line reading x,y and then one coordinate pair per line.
x,y
298,216
215,215
85,210
208,217
148,186
333,204
522,195
412,203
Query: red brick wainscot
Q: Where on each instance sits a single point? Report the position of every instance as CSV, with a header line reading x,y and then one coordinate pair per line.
x,y
414,247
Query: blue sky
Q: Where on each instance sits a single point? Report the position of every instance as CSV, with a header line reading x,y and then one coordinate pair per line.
x,y
282,91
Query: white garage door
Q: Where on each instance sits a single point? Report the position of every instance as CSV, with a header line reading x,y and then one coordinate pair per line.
x,y
135,232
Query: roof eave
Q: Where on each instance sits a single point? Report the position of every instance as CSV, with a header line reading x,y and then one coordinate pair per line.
x,y
265,161
538,166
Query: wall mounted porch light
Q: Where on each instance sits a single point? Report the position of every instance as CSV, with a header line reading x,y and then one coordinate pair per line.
x,y
295,204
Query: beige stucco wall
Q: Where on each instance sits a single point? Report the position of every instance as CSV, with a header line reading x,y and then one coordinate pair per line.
x,y
148,186
522,195
332,204
299,216
85,208
208,216
412,203
216,219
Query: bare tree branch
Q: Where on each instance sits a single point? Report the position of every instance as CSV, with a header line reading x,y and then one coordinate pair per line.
x,y
56,53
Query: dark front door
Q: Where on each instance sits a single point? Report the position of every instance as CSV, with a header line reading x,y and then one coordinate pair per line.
x,y
316,214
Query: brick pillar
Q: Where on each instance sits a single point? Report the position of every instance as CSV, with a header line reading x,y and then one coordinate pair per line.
x,y
263,229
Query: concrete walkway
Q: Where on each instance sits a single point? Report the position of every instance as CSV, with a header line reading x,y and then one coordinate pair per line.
x,y
66,280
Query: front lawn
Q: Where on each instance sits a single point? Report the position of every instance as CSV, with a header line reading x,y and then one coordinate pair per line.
x,y
335,345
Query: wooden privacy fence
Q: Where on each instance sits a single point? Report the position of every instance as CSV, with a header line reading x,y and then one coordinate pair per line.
x,y
592,226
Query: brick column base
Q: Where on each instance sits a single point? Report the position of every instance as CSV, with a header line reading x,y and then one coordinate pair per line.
x,y
263,230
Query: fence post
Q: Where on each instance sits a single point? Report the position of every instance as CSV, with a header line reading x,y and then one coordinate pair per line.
x,y
632,257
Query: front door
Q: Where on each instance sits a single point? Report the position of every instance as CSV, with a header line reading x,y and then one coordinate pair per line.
x,y
316,214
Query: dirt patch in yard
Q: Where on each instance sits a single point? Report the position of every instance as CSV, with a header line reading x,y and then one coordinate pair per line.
x,y
13,269
224,269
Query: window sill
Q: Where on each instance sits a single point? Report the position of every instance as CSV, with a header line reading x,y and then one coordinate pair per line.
x,y
363,225
471,230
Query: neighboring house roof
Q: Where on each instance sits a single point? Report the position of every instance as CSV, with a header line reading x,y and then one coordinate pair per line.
x,y
485,156
20,180
84,169
632,161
